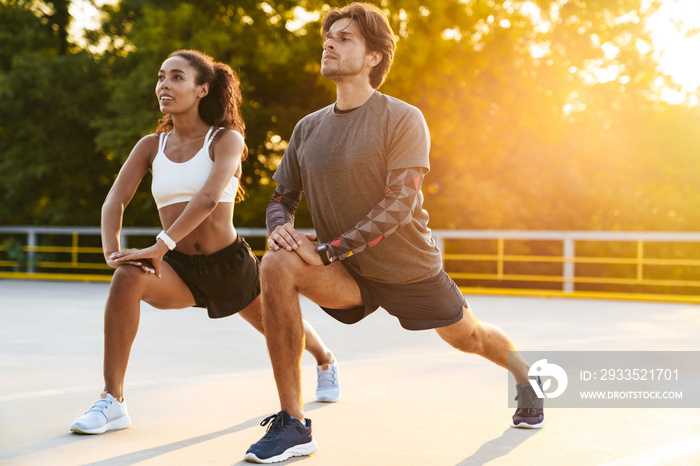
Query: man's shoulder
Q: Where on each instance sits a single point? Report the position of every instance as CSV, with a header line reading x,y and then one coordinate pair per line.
x,y
398,106
313,117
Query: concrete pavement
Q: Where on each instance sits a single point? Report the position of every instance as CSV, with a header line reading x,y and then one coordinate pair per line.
x,y
198,388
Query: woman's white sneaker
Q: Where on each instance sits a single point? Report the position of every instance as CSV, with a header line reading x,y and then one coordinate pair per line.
x,y
106,414
328,383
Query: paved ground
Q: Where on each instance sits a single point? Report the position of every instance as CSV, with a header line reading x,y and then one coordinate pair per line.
x,y
197,389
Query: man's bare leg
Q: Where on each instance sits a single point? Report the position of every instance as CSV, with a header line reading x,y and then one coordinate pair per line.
x,y
284,332
471,336
284,276
313,343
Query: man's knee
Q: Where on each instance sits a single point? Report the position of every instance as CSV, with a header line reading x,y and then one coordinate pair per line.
x,y
464,335
280,266
463,328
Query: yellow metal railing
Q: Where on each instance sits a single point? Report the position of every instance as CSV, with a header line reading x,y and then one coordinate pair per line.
x,y
75,266
498,272
566,275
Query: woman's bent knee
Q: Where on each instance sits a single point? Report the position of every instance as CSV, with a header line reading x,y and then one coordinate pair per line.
x,y
127,276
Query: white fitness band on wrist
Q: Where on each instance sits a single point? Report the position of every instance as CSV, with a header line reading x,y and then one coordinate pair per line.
x,y
163,236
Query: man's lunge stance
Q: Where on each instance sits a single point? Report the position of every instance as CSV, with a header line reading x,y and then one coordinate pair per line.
x,y
361,162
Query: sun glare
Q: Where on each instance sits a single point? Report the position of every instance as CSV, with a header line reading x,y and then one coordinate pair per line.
x,y
86,16
675,29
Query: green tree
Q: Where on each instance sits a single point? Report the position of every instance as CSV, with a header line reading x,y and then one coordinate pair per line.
x,y
528,131
50,171
543,114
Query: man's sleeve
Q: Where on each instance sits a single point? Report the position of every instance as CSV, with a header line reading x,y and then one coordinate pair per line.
x,y
409,143
402,198
282,207
288,172
285,200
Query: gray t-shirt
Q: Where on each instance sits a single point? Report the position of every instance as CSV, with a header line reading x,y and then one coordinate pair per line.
x,y
341,160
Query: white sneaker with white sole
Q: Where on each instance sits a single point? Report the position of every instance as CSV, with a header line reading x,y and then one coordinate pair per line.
x,y
106,414
328,385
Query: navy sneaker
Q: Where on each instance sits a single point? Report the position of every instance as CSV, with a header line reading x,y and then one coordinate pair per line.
x,y
285,438
530,411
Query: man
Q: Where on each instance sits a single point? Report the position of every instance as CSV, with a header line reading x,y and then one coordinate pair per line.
x,y
361,163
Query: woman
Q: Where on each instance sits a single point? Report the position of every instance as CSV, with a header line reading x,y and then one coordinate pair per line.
x,y
198,259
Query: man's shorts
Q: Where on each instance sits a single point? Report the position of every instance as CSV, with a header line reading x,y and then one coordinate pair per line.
x,y
432,303
224,282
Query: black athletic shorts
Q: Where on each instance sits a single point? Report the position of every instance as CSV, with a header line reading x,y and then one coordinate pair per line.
x,y
432,303
224,282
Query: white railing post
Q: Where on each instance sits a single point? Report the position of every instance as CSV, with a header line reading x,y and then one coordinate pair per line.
x,y
569,265
440,241
31,254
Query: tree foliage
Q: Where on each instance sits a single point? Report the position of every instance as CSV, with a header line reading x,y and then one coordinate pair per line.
x,y
543,114
51,172
528,131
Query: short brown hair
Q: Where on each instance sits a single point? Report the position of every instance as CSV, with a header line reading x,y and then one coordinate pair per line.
x,y
375,28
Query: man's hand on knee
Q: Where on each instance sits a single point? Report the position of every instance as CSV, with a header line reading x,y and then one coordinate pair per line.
x,y
285,237
307,251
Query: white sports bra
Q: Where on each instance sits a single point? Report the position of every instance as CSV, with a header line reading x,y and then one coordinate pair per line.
x,y
178,182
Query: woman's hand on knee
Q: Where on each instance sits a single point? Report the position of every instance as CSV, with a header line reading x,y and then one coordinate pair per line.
x,y
145,259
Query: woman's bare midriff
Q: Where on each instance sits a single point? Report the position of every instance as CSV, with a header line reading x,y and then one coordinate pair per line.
x,y
212,235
